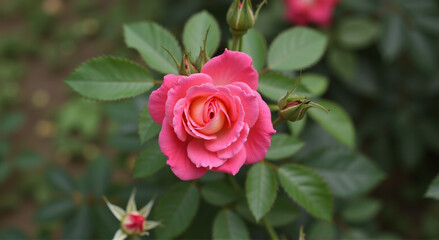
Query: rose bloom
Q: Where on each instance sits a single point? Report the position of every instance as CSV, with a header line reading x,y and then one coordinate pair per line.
x,y
303,12
214,120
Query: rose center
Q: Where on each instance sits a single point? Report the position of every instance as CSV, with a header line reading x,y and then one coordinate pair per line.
x,y
208,113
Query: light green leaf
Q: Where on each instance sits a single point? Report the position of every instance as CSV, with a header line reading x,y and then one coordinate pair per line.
x,y
147,127
218,194
254,44
297,127
357,32
307,189
54,210
296,48
433,189
149,161
176,209
342,63
108,78
227,225
283,146
392,37
99,173
337,122
131,205
274,85
261,189
60,180
194,33
316,84
347,173
361,210
150,39
80,225
421,51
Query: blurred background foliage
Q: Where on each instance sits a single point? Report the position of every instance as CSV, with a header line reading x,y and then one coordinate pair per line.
x,y
60,153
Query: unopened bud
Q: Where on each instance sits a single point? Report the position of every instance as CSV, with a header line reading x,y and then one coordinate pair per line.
x,y
292,107
187,67
240,17
133,223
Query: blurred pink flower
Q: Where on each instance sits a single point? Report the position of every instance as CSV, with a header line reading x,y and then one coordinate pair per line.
x,y
214,120
303,12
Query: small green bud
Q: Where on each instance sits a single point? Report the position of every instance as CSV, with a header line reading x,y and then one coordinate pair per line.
x,y
187,67
292,107
240,17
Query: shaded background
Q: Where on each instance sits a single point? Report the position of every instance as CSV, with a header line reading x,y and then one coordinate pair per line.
x,y
58,150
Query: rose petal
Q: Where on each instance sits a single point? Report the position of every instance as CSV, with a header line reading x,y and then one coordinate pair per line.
x,y
179,91
259,138
157,100
179,128
201,157
249,102
236,146
232,67
176,151
233,165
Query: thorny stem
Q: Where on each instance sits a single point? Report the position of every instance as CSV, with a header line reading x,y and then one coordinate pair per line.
x,y
270,229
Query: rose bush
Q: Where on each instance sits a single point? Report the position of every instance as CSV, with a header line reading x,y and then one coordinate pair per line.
x,y
303,12
213,120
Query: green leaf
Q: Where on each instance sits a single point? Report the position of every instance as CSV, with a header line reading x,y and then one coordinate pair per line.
x,y
99,173
347,173
149,39
433,189
13,234
361,210
297,127
296,48
54,210
176,209
392,37
147,127
421,51
11,122
227,225
316,84
283,146
218,194
357,32
194,33
321,230
274,85
261,189
108,78
29,160
254,44
342,63
80,225
60,180
149,161
428,23
307,189
282,213
5,170
337,122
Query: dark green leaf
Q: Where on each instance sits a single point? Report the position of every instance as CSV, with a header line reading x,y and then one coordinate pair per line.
x,y
5,170
342,63
60,180
321,230
282,213
147,127
392,37
149,161
176,209
80,225
218,194
347,173
421,51
428,23
150,39
109,78
254,44
361,210
54,210
99,176
13,234
283,146
297,127
194,33
10,122
228,225
261,189
296,48
337,122
29,160
357,32
307,189
433,189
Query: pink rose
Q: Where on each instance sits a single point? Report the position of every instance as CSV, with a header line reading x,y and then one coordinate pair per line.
x,y
303,12
214,120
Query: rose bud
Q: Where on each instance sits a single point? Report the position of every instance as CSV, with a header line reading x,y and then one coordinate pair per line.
x,y
304,12
132,223
292,107
187,67
241,17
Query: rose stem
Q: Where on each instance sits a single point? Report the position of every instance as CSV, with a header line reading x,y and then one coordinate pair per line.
x,y
270,229
277,121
